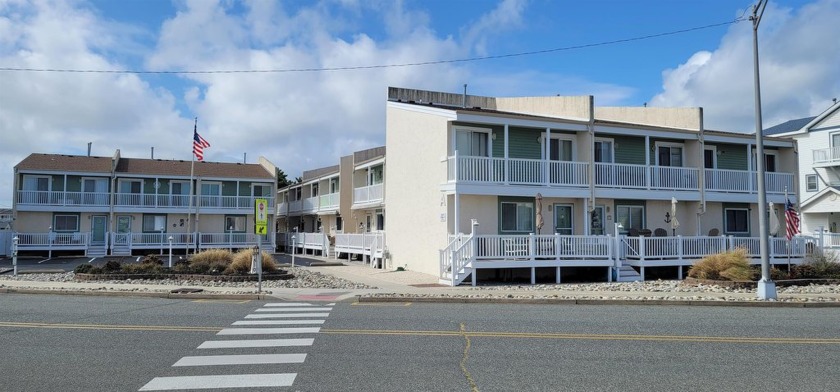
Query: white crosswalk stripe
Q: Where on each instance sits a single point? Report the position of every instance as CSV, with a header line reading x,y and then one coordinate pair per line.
x,y
294,309
285,315
278,322
294,316
220,382
256,343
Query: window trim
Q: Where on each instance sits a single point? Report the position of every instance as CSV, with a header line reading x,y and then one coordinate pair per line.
x,y
713,149
517,230
488,131
612,150
143,223
75,230
726,229
808,187
658,144
643,207
558,136
244,229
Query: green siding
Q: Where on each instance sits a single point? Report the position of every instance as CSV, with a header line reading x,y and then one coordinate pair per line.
x,y
148,186
524,143
731,157
245,189
164,187
57,183
629,150
229,188
74,183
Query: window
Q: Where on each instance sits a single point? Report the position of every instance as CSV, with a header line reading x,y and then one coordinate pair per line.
x,y
736,221
36,183
338,224
560,148
710,157
180,192
517,216
375,175
380,220
334,185
131,186
604,150
210,194
260,190
770,158
472,142
314,190
235,223
66,223
630,216
154,223
835,140
669,154
811,183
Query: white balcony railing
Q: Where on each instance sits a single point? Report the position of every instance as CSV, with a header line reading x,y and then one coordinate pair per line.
x,y
827,155
368,194
61,198
183,201
329,201
608,175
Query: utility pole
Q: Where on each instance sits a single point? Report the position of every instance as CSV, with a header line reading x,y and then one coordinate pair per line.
x,y
766,288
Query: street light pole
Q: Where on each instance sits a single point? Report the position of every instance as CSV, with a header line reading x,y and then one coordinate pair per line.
x,y
15,242
766,288
170,251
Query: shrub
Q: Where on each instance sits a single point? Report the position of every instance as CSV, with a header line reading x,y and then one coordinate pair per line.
x,y
112,266
83,268
241,263
182,266
151,259
817,265
212,255
142,268
729,265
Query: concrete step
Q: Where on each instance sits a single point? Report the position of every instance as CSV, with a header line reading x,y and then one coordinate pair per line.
x,y
628,274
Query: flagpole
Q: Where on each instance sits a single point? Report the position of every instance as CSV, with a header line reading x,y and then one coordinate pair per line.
x,y
192,188
786,236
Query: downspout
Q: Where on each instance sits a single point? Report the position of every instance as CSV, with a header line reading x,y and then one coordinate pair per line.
x,y
112,199
702,209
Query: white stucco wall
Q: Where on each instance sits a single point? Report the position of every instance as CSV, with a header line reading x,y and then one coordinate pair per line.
x,y
685,118
416,142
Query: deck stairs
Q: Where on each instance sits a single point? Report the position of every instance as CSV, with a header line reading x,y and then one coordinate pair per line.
x,y
627,273
96,251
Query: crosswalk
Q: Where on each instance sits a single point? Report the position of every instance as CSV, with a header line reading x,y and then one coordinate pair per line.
x,y
278,319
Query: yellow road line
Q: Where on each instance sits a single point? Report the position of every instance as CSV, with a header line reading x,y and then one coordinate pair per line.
x,y
534,335
9,324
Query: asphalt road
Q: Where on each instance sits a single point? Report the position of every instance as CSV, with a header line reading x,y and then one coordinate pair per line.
x,y
78,343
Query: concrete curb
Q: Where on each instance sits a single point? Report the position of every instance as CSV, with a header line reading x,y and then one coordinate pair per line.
x,y
9,290
561,301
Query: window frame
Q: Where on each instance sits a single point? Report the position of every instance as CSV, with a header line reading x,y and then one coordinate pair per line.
x,y
611,141
517,205
560,137
669,145
236,219
64,215
122,181
630,207
808,187
487,131
726,228
154,223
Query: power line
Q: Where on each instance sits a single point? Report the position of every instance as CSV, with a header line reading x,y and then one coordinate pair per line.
x,y
377,66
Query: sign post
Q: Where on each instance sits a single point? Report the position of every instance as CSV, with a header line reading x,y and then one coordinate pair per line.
x,y
260,223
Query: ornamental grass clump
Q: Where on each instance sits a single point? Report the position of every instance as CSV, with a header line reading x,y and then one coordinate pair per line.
x,y
212,261
818,265
730,265
241,263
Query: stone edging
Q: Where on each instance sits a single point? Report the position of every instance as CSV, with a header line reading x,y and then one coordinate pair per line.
x,y
559,301
192,277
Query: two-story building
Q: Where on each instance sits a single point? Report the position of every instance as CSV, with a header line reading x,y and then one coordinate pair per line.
x,y
121,206
337,210
479,186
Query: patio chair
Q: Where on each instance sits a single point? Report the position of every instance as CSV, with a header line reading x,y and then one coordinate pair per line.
x,y
633,232
645,232
714,232
660,232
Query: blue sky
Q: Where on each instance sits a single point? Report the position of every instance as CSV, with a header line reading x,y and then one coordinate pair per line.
x,y
305,120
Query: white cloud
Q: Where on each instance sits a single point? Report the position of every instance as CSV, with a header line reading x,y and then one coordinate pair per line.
x,y
798,66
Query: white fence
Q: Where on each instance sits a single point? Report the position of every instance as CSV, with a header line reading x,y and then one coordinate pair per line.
x,y
6,243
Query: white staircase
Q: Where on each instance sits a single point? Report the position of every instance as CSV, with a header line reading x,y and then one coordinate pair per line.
x,y
626,273
96,251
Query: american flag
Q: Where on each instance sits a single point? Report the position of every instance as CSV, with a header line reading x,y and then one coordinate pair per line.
x,y
199,144
791,220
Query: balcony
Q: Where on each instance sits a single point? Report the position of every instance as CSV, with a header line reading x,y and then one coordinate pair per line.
x,y
183,201
827,156
368,194
514,171
62,198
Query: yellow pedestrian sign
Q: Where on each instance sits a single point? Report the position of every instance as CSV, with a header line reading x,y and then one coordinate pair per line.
x,y
260,215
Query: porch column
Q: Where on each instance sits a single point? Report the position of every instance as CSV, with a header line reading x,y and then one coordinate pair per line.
x,y
507,163
647,162
587,217
456,212
547,155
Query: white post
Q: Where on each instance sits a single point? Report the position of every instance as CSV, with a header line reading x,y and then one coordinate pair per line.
x,y
14,255
259,264
230,238
617,251
170,251
294,244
